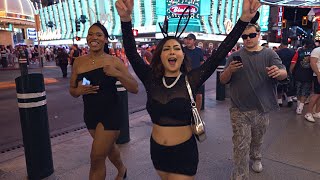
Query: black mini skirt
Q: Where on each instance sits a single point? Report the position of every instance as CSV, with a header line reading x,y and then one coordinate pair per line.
x,y
179,159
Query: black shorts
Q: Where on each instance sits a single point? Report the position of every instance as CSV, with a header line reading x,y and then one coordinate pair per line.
x,y
180,159
316,85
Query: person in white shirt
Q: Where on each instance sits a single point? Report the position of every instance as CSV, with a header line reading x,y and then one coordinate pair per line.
x,y
315,65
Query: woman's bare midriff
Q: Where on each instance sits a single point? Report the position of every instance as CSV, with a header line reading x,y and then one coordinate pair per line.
x,y
170,136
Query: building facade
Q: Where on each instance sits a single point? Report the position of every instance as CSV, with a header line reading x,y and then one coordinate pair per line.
x,y
209,19
16,17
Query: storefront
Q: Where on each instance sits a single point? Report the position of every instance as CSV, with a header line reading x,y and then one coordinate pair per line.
x,y
16,16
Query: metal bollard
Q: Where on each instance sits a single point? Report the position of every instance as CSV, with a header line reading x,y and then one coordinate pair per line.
x,y
220,88
124,136
23,65
32,105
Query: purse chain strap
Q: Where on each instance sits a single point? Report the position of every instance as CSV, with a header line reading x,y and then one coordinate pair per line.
x,y
193,103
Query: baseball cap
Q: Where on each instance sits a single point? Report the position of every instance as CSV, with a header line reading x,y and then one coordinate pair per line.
x,y
191,36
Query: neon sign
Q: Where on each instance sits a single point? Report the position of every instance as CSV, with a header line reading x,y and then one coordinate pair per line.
x,y
179,8
49,34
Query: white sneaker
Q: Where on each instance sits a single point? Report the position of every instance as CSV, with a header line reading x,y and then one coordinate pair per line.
x,y
257,166
299,111
309,117
316,115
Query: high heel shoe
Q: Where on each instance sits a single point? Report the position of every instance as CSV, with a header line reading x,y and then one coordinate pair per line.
x,y
125,175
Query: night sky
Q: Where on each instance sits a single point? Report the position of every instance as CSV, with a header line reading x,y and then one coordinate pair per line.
x,y
289,15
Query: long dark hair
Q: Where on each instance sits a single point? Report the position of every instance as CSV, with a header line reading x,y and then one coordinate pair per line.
x,y
106,34
156,63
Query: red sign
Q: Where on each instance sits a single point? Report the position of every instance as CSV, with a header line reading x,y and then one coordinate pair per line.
x,y
179,8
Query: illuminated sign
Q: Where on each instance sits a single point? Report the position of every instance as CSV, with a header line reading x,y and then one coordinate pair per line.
x,y
31,33
280,17
228,25
50,35
179,8
264,17
3,14
175,8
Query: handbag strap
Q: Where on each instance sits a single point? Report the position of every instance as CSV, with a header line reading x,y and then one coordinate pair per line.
x,y
193,103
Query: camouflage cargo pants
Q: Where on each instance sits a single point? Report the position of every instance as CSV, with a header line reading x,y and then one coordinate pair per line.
x,y
248,130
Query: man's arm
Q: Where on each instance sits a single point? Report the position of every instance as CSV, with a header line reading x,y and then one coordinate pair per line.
x,y
276,70
313,63
226,75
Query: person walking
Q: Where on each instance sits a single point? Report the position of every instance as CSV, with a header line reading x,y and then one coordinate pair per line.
x,y
173,147
94,78
62,59
315,98
74,53
286,54
195,54
4,56
302,72
252,73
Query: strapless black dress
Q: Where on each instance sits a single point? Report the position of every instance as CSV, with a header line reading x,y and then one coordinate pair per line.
x,y
104,106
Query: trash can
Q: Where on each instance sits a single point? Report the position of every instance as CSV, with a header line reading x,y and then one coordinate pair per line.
x,y
32,103
220,88
123,112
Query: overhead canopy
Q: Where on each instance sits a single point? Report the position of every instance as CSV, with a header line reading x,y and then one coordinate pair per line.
x,y
293,3
17,12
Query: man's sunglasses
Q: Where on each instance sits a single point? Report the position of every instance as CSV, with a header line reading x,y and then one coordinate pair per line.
x,y
251,35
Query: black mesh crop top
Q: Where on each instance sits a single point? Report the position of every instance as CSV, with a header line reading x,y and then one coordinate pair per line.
x,y
171,107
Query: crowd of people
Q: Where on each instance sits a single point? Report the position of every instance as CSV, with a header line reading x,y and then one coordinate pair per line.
x,y
302,85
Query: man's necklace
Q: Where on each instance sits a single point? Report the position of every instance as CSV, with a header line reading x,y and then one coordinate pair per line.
x,y
174,82
93,59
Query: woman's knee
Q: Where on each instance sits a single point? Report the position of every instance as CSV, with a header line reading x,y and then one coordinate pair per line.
x,y
98,158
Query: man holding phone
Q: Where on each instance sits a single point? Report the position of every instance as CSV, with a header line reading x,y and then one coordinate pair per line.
x,y
252,73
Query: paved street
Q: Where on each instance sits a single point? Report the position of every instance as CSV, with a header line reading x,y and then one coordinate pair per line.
x,y
65,113
291,149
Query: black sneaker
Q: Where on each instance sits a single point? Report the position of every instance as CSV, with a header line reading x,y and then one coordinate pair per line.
x,y
280,104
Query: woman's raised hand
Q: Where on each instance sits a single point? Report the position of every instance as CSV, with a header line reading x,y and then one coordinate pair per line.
x,y
249,9
124,8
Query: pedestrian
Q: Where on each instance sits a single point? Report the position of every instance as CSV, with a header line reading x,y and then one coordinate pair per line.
x,y
4,56
195,54
173,147
62,59
252,73
94,77
286,54
315,98
302,73
74,53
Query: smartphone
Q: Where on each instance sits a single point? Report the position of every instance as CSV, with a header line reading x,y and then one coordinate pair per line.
x,y
85,81
237,58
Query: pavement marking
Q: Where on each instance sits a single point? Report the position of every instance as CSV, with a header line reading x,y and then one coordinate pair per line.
x,y
12,84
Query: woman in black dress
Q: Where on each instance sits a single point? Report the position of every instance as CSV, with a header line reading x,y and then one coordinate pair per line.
x,y
173,148
94,77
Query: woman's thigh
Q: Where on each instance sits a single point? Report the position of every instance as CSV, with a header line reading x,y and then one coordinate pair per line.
x,y
103,140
